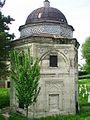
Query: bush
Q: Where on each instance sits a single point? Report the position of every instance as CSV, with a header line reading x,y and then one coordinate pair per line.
x,y
82,104
4,97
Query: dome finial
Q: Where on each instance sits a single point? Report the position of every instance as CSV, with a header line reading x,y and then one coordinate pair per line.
x,y
46,3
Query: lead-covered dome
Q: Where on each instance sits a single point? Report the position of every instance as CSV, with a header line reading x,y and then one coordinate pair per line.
x,y
44,14
46,21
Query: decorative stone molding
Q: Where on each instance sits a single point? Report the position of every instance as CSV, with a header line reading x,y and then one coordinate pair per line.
x,y
44,38
56,29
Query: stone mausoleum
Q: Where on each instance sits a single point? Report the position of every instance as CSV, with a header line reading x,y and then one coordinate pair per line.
x,y
49,36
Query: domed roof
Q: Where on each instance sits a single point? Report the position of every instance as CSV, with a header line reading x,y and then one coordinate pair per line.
x,y
46,13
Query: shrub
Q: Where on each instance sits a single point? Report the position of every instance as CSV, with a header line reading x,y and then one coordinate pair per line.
x,y
4,97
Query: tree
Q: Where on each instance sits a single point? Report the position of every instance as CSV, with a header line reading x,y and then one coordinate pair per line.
x,y
5,38
25,71
86,54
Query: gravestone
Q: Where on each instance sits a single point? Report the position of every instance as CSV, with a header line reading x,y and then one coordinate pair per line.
x,y
88,97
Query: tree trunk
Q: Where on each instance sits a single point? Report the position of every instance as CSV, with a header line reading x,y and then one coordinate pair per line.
x,y
27,111
33,110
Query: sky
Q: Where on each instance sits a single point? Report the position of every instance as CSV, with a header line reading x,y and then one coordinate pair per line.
x,y
77,13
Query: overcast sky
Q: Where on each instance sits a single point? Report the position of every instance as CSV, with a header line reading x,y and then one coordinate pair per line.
x,y
77,13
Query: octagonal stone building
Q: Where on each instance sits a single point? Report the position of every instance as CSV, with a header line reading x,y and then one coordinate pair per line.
x,y
50,38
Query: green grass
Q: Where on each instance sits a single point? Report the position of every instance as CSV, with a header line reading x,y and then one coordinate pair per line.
x,y
84,85
1,117
4,97
83,115
84,81
14,116
4,91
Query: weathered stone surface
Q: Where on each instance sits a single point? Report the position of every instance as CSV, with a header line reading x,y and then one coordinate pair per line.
x,y
59,90
60,29
53,43
88,97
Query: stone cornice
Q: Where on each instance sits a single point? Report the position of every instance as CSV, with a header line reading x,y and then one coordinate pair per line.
x,y
49,39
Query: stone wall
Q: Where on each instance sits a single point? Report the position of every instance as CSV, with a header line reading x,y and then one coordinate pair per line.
x,y
59,91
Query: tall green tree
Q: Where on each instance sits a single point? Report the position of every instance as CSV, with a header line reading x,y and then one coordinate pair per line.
x,y
86,53
5,38
25,71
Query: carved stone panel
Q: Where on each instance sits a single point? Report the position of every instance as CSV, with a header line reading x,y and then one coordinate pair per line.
x,y
53,102
54,95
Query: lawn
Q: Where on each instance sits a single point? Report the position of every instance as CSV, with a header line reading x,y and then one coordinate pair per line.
x,y
84,81
84,88
83,115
